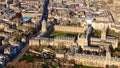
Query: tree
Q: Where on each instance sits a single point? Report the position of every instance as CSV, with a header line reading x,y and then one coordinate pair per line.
x,y
55,64
28,57
96,33
46,65
18,37
34,29
77,66
111,32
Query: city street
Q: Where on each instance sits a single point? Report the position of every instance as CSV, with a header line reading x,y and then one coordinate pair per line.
x,y
23,50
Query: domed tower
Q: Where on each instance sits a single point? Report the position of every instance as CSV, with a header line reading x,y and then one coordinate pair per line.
x,y
44,24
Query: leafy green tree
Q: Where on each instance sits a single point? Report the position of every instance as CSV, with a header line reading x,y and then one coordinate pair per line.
x,y
77,66
34,30
96,33
28,57
55,65
18,37
111,32
46,65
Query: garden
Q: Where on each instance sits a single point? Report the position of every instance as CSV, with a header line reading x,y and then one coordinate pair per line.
x,y
63,34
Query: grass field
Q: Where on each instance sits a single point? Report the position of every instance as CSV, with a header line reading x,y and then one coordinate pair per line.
x,y
63,34
28,57
88,67
81,66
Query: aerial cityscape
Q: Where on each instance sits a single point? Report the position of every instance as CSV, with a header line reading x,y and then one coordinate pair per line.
x,y
59,33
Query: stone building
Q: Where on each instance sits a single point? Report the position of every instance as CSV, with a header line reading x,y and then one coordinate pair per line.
x,y
44,26
108,1
94,60
117,2
85,41
68,29
81,40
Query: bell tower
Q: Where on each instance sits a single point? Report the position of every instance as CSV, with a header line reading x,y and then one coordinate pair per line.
x,y
43,28
82,40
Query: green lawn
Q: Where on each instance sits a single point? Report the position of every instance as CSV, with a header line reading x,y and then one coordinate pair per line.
x,y
28,57
46,65
96,33
111,33
62,34
55,65
18,37
81,66
88,67
51,64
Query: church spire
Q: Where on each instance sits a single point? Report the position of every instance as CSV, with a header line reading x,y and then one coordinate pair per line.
x,y
44,23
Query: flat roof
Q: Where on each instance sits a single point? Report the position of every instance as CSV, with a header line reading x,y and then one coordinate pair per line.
x,y
26,19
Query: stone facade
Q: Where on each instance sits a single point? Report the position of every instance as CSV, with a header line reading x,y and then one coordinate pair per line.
x,y
28,14
94,60
53,42
34,42
44,29
69,29
66,41
113,41
116,2
83,41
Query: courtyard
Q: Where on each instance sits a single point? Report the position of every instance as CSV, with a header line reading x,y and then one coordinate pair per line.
x,y
63,34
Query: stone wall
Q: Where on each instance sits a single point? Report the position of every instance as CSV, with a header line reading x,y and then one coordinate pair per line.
x,y
102,19
93,60
117,2
69,29
59,55
34,42
115,27
53,42
82,42
36,14
100,25
97,41
88,61
68,42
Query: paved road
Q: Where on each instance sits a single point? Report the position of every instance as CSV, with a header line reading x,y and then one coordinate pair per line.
x,y
45,10
27,45
21,54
